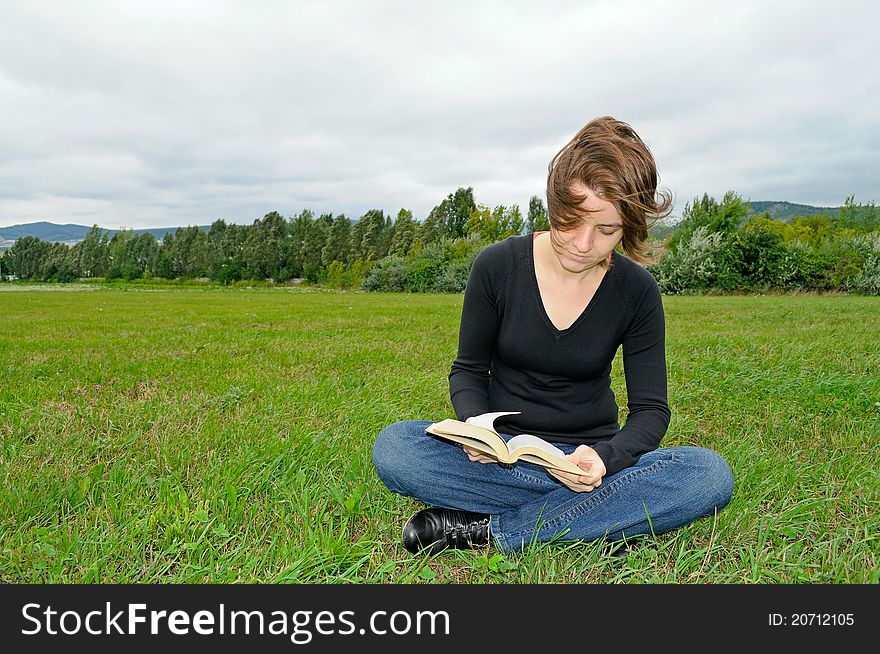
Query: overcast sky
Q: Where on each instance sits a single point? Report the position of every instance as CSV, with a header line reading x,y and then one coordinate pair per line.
x,y
149,114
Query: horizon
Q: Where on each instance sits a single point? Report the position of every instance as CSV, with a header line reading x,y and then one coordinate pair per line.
x,y
673,217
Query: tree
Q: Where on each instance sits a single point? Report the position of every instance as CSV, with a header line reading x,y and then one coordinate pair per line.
x,y
495,225
434,226
261,250
482,224
56,264
338,241
373,245
760,252
313,242
457,208
860,218
404,233
93,253
118,263
299,228
538,219
509,219
724,217
143,252
189,252
27,256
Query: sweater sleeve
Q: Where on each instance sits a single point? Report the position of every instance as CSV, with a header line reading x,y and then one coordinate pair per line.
x,y
469,377
644,364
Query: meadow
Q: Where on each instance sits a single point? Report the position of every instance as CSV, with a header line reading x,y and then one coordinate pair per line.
x,y
224,435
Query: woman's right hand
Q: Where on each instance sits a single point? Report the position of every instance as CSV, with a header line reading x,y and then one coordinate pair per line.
x,y
474,454
479,457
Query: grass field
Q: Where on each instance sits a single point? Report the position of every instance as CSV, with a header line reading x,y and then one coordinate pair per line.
x,y
210,435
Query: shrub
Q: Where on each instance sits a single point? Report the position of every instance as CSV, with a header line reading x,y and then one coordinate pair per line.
x,y
335,275
693,266
354,276
867,281
454,278
422,274
800,267
842,262
389,274
759,253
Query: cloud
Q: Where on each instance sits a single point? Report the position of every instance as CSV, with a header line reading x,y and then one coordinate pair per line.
x,y
172,113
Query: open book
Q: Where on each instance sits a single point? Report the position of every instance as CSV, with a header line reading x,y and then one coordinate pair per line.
x,y
480,434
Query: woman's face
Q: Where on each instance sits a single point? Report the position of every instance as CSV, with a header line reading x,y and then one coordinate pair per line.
x,y
588,245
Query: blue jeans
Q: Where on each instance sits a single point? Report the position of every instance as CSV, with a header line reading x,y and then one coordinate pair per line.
x,y
665,489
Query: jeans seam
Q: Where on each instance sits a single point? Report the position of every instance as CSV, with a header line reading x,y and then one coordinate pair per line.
x,y
530,478
595,497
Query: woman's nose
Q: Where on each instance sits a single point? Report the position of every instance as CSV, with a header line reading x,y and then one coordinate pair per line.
x,y
583,239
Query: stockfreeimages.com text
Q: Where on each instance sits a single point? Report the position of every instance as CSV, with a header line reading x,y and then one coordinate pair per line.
x,y
300,626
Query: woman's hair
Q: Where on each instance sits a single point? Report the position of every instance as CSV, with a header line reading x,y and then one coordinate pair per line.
x,y
607,156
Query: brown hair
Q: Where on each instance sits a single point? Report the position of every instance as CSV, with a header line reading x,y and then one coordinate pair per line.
x,y
607,156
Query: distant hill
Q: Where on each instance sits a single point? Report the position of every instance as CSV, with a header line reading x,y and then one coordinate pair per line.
x,y
57,233
785,211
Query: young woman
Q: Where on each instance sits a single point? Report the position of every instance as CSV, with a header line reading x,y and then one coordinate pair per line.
x,y
542,319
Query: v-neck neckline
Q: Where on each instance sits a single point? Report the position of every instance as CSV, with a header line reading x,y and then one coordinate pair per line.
x,y
602,284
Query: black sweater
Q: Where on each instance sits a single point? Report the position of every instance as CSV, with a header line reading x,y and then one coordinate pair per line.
x,y
512,358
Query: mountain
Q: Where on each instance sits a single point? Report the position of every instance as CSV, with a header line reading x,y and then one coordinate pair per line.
x,y
56,233
45,231
785,211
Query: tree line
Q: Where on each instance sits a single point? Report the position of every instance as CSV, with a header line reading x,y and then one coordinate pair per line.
x,y
718,245
272,248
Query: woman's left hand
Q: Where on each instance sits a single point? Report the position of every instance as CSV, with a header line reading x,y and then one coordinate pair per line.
x,y
586,458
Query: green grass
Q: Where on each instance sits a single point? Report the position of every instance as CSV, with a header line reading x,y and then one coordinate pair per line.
x,y
217,435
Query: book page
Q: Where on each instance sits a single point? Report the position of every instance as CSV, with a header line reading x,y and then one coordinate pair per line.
x,y
485,440
525,440
487,420
536,450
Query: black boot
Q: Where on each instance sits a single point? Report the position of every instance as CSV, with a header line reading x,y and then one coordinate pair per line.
x,y
438,529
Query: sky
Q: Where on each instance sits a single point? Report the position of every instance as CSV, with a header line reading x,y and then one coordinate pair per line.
x,y
155,114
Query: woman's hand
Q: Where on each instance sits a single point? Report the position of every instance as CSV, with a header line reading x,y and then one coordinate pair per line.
x,y
479,457
474,454
586,458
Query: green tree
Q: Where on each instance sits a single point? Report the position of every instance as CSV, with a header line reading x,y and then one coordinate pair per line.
x,y
538,219
724,217
119,262
495,225
189,252
338,241
27,256
336,274
761,252
93,253
457,208
813,229
143,251
261,250
300,226
405,229
313,243
857,217
56,266
434,226
373,242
